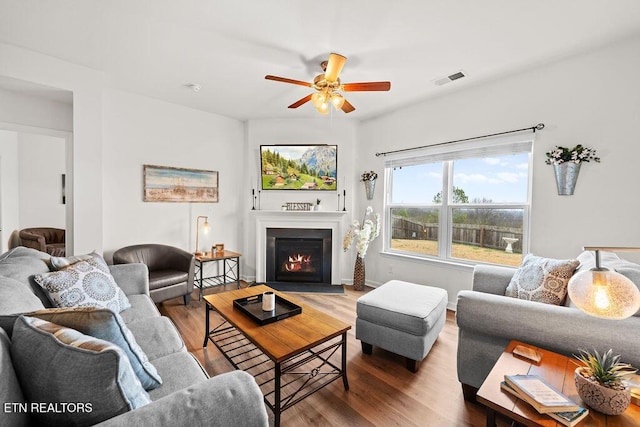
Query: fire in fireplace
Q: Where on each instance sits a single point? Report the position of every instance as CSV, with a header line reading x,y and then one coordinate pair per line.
x,y
298,262
298,255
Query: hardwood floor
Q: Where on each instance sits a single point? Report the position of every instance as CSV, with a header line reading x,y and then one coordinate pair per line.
x,y
382,391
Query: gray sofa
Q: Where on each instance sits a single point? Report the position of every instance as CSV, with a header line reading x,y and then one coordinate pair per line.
x,y
488,320
187,395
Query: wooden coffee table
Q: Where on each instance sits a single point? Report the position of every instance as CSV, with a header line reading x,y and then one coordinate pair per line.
x,y
555,369
291,358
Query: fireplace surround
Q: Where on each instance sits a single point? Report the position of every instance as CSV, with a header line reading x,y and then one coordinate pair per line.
x,y
319,220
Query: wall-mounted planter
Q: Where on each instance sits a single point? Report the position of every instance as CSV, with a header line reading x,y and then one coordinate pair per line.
x,y
566,177
370,187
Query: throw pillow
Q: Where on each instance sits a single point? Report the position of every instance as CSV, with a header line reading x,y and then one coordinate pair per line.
x,y
75,379
542,279
10,391
16,297
86,283
99,323
58,262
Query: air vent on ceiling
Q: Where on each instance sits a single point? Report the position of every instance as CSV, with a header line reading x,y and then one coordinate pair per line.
x,y
450,78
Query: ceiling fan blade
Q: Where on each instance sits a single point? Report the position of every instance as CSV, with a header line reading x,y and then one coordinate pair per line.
x,y
347,107
301,101
285,80
334,66
367,86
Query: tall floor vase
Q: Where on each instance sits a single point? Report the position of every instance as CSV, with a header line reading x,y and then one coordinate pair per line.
x,y
358,274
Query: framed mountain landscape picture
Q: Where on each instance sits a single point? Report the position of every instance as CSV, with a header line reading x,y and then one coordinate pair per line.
x,y
299,167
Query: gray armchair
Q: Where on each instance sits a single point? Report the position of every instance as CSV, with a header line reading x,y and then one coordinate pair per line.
x,y
45,239
171,269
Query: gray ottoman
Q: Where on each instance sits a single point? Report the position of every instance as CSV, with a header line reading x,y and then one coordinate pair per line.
x,y
403,318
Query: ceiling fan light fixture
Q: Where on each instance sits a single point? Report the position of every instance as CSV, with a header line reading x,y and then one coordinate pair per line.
x,y
337,100
323,108
328,85
318,99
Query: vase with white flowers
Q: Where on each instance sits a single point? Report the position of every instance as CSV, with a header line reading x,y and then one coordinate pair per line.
x,y
363,234
369,179
566,165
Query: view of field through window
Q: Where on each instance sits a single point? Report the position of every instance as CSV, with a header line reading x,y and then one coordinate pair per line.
x,y
485,211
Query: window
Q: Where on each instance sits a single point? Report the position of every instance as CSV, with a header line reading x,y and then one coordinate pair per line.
x,y
463,201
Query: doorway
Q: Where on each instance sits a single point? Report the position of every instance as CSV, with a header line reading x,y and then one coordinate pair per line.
x,y
34,181
36,150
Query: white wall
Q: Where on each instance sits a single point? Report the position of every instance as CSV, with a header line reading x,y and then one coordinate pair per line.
x,y
322,130
9,201
27,110
41,161
86,85
140,130
590,99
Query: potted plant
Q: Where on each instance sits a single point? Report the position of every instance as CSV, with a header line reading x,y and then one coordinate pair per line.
x,y
566,165
600,381
369,179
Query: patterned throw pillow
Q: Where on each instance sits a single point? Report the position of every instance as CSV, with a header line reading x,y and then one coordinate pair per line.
x,y
542,279
58,365
84,284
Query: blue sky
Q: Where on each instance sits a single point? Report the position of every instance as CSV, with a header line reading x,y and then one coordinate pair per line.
x,y
499,178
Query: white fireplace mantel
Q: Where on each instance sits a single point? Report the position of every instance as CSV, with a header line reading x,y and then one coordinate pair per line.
x,y
331,220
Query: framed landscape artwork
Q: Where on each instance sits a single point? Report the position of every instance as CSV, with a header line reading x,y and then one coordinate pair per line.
x,y
167,184
299,167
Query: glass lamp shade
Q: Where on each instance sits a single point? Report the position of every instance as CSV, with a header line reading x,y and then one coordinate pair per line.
x,y
318,98
323,108
337,100
604,293
205,227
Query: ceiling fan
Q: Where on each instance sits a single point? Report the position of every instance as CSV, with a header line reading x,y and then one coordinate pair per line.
x,y
328,87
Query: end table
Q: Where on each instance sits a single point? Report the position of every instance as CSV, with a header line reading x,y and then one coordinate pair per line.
x,y
230,269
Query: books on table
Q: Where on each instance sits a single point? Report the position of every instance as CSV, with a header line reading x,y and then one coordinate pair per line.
x,y
544,398
567,418
540,394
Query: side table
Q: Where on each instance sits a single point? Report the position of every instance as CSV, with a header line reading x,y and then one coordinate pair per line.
x,y
230,269
557,370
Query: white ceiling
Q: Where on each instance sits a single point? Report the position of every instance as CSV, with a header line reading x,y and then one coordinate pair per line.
x,y
157,47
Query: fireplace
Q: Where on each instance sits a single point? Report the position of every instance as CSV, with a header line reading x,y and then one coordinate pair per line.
x,y
329,221
298,255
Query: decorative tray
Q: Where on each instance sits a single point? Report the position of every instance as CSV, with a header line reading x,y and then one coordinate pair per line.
x,y
252,307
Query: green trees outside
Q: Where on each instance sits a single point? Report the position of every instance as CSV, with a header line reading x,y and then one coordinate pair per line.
x,y
459,196
461,215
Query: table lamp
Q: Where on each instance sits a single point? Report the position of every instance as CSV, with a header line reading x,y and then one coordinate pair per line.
x,y
205,229
602,292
